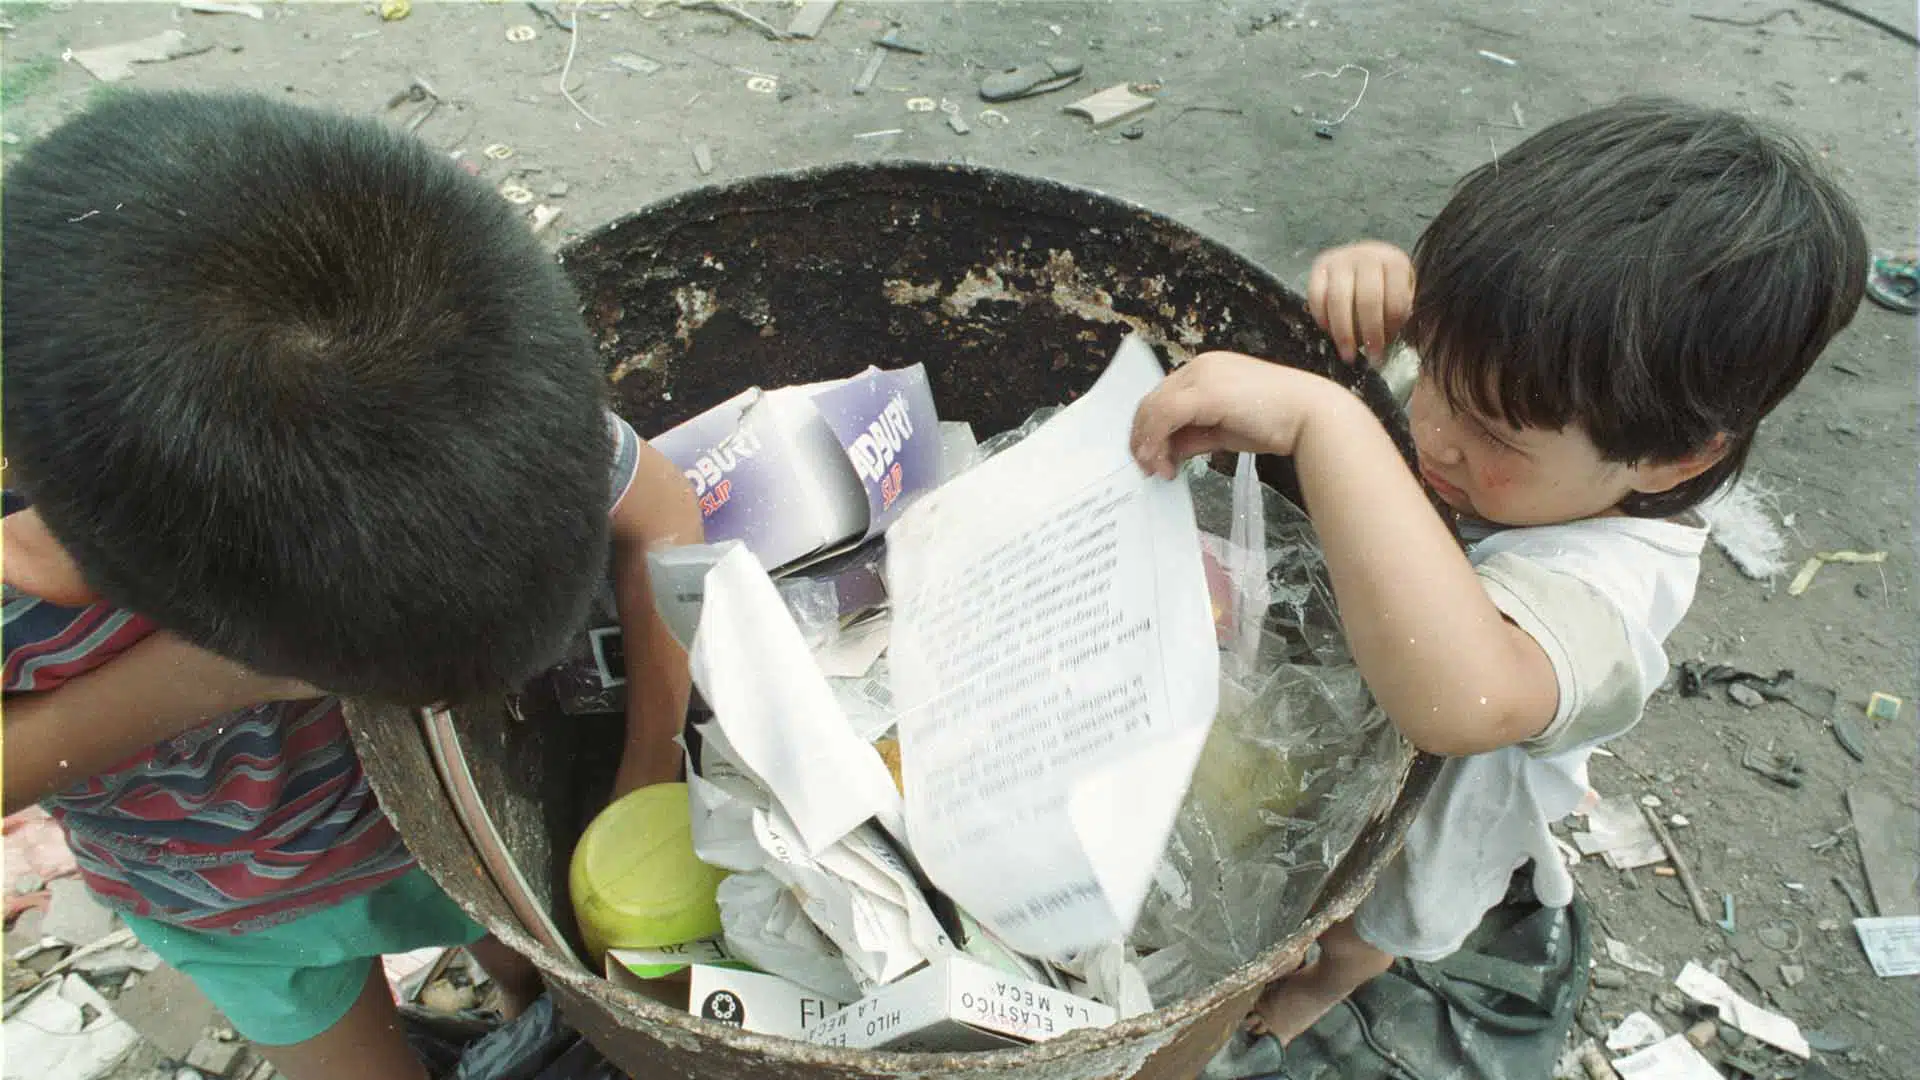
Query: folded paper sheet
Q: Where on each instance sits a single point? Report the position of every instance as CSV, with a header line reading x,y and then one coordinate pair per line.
x,y
1055,670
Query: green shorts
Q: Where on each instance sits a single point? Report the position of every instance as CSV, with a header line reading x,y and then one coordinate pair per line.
x,y
289,983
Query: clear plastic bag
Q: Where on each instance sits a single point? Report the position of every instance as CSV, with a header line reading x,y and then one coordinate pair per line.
x,y
1298,761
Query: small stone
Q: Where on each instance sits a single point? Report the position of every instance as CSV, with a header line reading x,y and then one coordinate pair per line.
x,y
1745,695
1792,974
1670,1003
1827,926
1609,978
1298,111
1651,801
214,1057
558,190
1702,1034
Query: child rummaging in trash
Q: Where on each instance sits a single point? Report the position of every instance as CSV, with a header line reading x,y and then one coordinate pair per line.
x,y
1604,318
293,405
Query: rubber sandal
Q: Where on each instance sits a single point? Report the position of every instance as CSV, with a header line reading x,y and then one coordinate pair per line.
x,y
1894,284
1029,79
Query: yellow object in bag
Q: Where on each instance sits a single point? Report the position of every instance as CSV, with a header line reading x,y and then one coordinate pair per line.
x,y
636,882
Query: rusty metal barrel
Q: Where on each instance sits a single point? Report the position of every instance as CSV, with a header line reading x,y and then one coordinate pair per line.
x,y
1013,291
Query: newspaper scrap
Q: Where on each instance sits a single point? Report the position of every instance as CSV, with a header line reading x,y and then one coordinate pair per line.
x,y
776,712
1636,1032
1618,830
1771,1028
1056,673
1892,944
1672,1058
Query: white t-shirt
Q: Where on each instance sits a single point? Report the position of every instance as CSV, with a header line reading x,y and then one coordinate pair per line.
x,y
1600,597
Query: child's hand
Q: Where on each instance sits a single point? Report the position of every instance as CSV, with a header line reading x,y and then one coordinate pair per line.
x,y
1224,401
1360,295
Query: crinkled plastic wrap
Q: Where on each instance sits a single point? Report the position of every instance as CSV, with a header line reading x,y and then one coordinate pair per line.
x,y
1297,763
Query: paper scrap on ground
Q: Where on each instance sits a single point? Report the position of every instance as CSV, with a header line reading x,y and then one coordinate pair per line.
x,y
66,1030
777,712
1636,1031
112,63
1633,959
1673,1058
1769,1027
1619,831
1055,669
1892,944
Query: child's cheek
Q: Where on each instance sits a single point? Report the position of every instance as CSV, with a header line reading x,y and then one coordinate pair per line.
x,y
1495,477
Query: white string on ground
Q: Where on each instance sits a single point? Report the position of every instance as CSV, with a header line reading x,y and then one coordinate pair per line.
x,y
1366,77
573,42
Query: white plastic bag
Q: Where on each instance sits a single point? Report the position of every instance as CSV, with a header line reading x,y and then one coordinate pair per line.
x,y
765,926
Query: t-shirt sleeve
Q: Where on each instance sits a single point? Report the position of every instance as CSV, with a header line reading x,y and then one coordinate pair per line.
x,y
1585,637
626,457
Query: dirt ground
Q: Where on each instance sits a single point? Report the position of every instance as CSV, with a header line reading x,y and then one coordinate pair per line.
x,y
1231,150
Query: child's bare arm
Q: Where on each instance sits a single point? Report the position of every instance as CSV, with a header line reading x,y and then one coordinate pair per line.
x,y
658,510
158,688
1453,673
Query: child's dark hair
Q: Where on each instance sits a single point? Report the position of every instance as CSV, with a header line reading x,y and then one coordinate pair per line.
x,y
1653,272
300,390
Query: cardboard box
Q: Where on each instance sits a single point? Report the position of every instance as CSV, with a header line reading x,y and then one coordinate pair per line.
x,y
803,472
756,1002
958,1004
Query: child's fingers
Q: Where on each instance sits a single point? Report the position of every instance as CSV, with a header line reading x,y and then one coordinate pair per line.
x,y
1370,309
1161,414
1399,301
1340,312
1317,291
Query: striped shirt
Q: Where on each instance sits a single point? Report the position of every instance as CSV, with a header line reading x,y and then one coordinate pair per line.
x,y
255,819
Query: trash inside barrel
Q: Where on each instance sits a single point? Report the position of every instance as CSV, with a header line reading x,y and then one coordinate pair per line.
x,y
974,304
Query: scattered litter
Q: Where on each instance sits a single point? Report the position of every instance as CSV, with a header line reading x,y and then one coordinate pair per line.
x,y
635,63
1111,105
112,63
1503,61
922,104
521,34
1792,975
1650,800
498,151
1703,1033
994,118
1817,702
1324,128
65,1029
74,916
1679,821
1618,831
1850,737
1812,566
1028,80
954,120
812,16
1672,1058
395,10
1741,527
516,194
1681,868
871,72
1892,944
1887,834
891,40
221,7
1769,1027
882,133
1743,694
1609,978
703,158
566,69
1883,708
1782,769
1726,921
544,216
719,7
763,84
1633,959
558,190
1638,1030
1663,871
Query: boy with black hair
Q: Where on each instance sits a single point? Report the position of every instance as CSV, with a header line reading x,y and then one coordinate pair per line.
x,y
292,403
1605,316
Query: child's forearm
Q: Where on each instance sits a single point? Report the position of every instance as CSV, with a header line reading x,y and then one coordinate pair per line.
x,y
1454,675
159,688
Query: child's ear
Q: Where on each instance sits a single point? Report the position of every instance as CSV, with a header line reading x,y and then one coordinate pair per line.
x,y
1653,478
32,561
